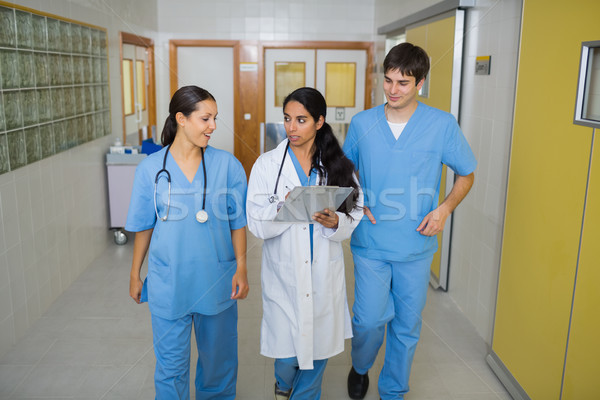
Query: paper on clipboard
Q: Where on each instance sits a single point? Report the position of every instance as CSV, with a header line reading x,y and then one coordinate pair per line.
x,y
304,201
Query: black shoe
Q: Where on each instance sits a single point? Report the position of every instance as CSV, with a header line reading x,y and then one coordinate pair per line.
x,y
357,384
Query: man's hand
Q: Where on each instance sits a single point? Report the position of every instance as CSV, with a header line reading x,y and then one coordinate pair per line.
x,y
434,222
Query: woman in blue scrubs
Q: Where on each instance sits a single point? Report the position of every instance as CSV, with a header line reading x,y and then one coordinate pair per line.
x,y
187,209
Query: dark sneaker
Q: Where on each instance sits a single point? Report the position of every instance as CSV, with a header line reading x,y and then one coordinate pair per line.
x,y
357,384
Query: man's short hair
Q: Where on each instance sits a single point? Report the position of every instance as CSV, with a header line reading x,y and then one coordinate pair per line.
x,y
409,59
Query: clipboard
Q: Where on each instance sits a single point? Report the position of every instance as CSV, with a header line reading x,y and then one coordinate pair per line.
x,y
304,201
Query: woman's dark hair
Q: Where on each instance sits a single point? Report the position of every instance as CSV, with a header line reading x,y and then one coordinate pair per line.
x,y
409,59
328,158
185,100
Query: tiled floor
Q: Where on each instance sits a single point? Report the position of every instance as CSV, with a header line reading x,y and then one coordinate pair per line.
x,y
94,342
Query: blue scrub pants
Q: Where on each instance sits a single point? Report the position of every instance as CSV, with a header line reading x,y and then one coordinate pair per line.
x,y
216,371
306,383
393,294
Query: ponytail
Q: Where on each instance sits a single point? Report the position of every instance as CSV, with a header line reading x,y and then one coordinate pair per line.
x,y
169,131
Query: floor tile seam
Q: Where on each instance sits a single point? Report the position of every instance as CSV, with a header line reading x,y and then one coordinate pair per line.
x,y
32,368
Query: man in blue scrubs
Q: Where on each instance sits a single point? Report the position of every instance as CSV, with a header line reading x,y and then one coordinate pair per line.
x,y
399,149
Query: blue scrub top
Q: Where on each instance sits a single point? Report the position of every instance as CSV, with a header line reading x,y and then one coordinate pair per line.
x,y
400,178
309,180
190,264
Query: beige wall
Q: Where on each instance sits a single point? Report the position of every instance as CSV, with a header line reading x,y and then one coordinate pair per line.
x,y
54,212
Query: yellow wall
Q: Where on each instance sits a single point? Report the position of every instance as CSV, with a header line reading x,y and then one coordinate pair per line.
x,y
583,355
546,193
437,38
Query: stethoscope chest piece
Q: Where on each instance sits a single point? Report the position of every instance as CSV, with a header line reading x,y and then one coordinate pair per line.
x,y
202,216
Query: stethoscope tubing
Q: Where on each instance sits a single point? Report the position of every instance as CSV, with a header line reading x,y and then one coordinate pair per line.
x,y
164,169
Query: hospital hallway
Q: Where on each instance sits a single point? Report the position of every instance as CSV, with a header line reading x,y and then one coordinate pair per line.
x,y
94,342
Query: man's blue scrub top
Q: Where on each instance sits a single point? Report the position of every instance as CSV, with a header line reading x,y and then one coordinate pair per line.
x,y
190,264
401,178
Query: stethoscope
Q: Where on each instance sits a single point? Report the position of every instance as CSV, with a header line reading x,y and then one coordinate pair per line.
x,y
273,198
201,216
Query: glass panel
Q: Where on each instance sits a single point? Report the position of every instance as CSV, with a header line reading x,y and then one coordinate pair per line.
x,y
95,42
44,105
89,126
57,103
55,69
12,110
8,37
65,37
53,27
24,30
89,99
140,83
98,98
67,70
98,70
82,135
86,40
2,119
288,77
340,84
77,70
128,86
36,87
60,140
103,44
33,145
26,69
39,32
42,77
105,97
107,123
104,70
29,107
591,101
9,68
16,149
88,70
69,103
98,125
76,38
72,133
4,162
47,140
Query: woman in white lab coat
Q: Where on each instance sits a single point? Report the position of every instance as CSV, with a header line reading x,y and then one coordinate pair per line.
x,y
305,312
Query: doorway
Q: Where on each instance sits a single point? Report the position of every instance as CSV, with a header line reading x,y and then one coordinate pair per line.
x,y
137,88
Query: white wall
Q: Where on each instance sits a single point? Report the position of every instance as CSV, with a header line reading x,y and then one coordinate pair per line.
x,y
253,20
492,28
54,212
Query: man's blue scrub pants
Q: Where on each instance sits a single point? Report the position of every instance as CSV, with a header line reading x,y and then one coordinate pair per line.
x,y
216,340
392,294
305,383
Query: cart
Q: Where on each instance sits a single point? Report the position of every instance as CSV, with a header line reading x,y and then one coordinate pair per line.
x,y
120,171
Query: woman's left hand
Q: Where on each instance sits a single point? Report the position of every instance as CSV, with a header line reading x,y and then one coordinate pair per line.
x,y
239,285
327,218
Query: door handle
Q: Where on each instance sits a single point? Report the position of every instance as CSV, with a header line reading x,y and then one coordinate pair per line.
x,y
139,109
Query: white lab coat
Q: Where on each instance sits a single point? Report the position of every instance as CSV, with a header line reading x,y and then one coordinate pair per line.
x,y
305,311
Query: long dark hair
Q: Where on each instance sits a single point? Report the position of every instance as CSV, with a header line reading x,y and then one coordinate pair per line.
x,y
185,100
328,158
